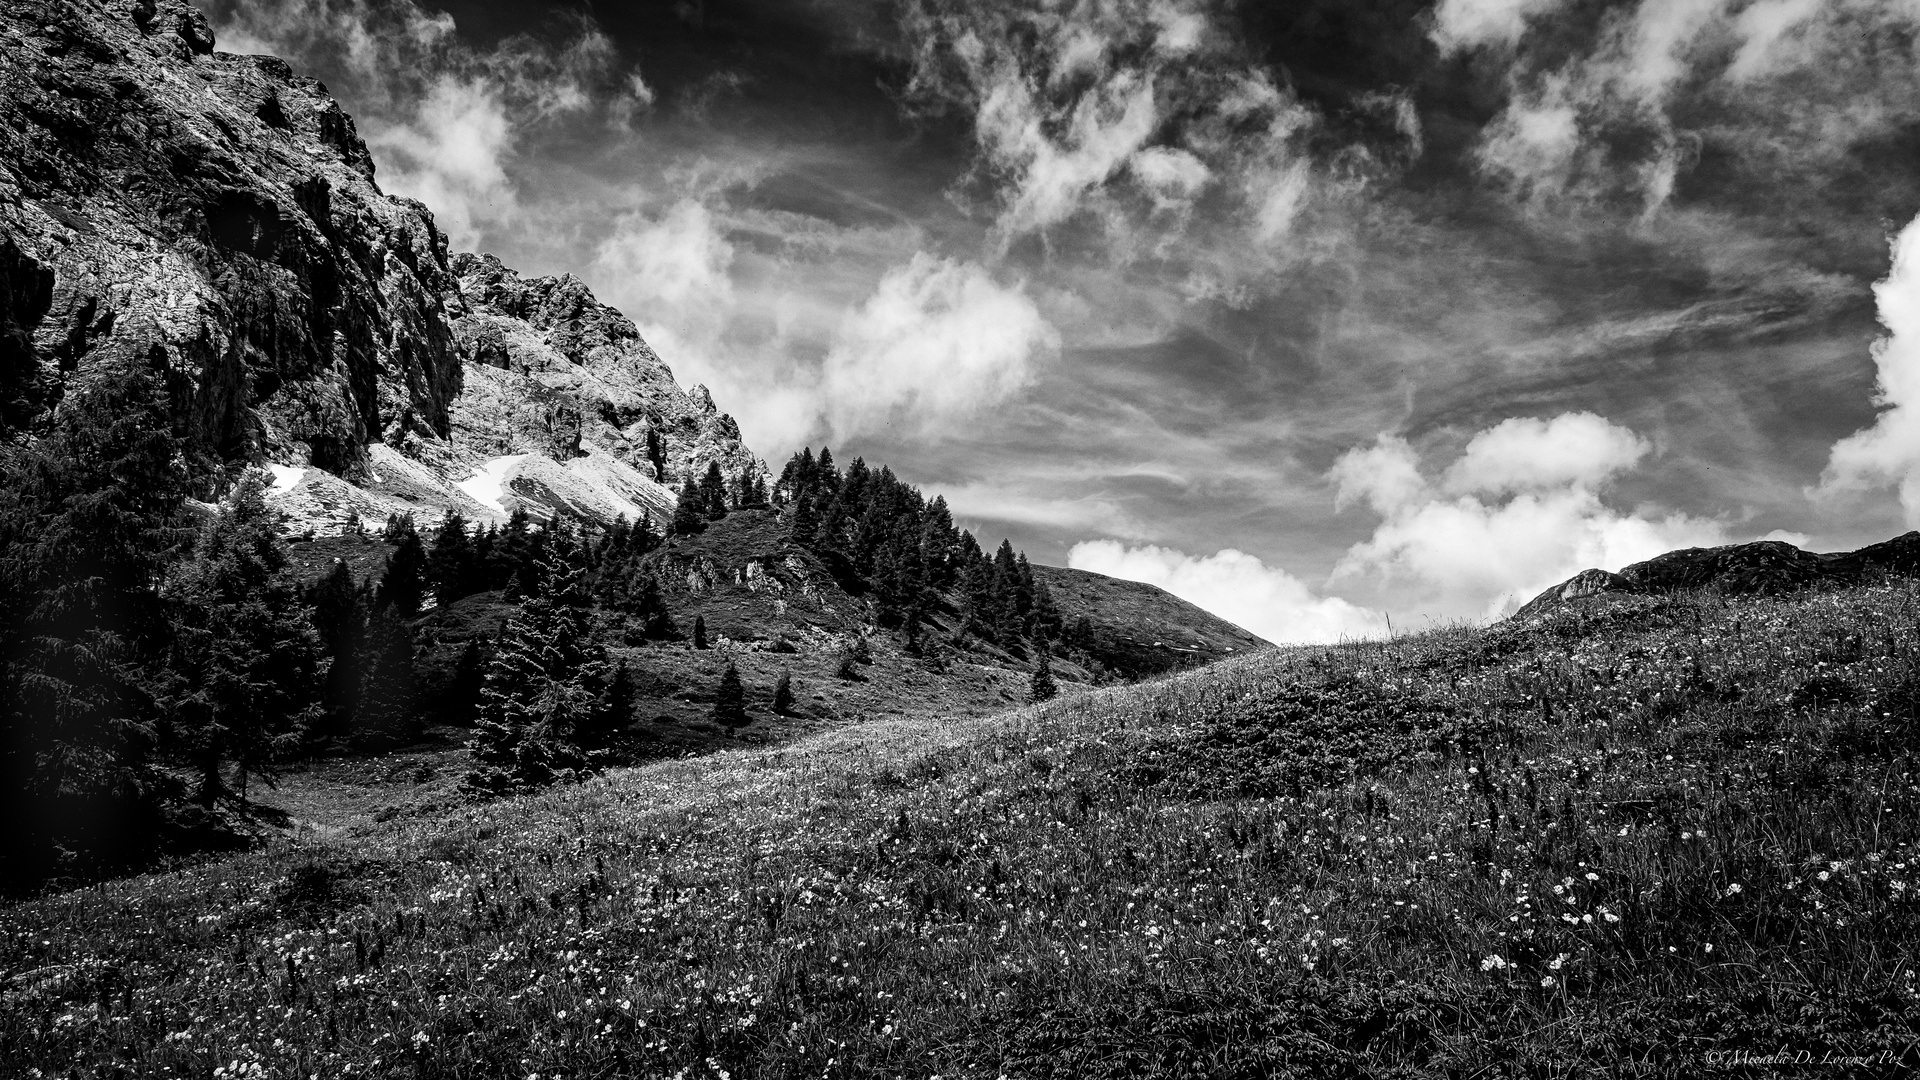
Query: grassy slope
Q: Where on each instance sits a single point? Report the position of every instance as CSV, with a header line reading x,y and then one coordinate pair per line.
x,y
1500,852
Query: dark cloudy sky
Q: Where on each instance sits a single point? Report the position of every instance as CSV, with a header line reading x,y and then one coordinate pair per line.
x,y
1312,312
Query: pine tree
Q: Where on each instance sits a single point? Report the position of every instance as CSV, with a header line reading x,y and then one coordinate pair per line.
x,y
89,514
450,565
1042,687
340,609
730,700
389,703
806,523
713,493
783,695
613,714
405,581
245,658
689,515
699,632
544,686
461,700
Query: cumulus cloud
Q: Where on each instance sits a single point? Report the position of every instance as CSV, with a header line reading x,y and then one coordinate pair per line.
x,y
937,341
671,271
1237,587
1889,451
1521,510
445,121
1528,454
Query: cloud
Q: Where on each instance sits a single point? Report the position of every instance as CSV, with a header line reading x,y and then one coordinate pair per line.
x,y
1527,454
1237,587
672,272
1889,451
1111,111
446,122
1464,24
1519,511
938,341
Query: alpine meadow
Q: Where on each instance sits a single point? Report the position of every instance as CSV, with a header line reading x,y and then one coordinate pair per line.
x,y
1324,539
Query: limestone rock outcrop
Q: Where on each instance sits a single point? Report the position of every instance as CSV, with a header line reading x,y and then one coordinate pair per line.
x,y
217,219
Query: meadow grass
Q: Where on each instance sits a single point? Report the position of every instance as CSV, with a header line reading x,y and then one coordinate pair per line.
x,y
1646,839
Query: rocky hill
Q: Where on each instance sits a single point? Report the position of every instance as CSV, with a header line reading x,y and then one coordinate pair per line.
x,y
216,218
1766,567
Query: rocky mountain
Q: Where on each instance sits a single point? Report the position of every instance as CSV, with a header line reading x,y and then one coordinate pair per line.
x,y
1764,567
217,218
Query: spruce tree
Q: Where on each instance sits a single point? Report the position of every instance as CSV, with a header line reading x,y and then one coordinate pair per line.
x,y
689,515
699,632
461,699
612,714
783,695
450,565
388,712
1042,688
730,699
89,513
404,583
340,609
543,687
246,659
713,492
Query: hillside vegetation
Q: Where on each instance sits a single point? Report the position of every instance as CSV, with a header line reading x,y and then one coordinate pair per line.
x,y
1643,838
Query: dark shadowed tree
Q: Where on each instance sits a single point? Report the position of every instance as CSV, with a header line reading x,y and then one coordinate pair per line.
x,y
783,695
730,699
245,662
89,514
1042,688
404,583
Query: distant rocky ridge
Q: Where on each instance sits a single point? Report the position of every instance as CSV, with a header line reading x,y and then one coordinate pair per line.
x,y
216,219
1763,567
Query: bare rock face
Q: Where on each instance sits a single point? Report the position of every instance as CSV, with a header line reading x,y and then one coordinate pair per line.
x,y
553,371
216,219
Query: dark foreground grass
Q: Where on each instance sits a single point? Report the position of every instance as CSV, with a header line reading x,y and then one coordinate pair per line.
x,y
1673,838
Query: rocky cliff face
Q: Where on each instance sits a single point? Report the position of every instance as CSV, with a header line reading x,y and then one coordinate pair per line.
x,y
217,219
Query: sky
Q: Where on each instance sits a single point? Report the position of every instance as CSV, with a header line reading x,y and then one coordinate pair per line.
x,y
1326,315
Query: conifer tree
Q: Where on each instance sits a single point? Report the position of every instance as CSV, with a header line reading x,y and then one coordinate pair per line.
x,y
689,516
388,712
730,699
613,713
245,657
461,699
713,493
543,687
783,695
405,581
699,631
340,609
89,513
450,565
1042,688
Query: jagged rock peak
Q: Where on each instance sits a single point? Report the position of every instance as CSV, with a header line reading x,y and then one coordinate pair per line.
x,y
214,216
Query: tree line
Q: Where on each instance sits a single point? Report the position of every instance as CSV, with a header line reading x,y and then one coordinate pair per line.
x,y
158,657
